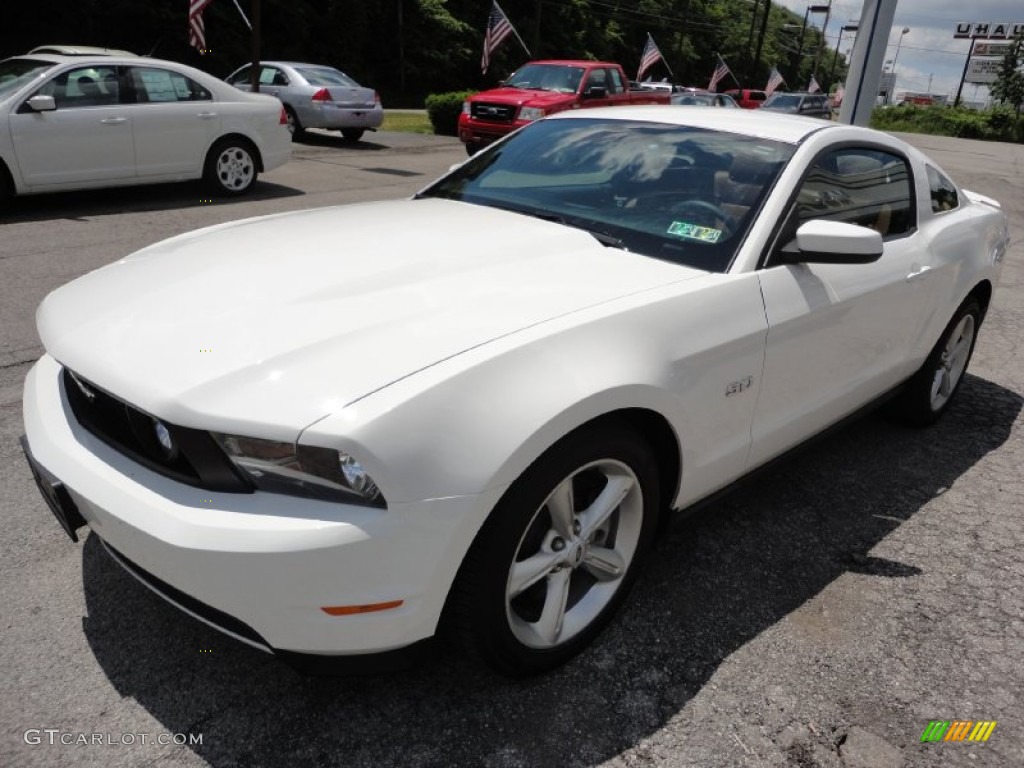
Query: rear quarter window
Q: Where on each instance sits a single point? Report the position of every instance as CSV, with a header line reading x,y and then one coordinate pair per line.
x,y
943,192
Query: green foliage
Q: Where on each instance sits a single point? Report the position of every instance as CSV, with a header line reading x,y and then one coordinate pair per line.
x,y
443,109
1009,86
994,125
408,48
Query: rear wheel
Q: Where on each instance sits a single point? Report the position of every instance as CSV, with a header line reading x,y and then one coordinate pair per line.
x,y
473,147
294,126
931,390
231,167
559,552
352,134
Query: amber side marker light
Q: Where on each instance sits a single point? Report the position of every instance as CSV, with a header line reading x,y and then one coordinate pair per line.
x,y
349,610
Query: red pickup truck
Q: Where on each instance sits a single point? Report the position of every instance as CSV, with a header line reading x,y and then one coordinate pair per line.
x,y
541,88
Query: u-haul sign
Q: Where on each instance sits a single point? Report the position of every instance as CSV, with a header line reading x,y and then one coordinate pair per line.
x,y
989,30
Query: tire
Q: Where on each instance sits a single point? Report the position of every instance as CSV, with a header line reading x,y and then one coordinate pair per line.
x,y
542,577
294,126
352,134
6,185
473,147
928,394
231,167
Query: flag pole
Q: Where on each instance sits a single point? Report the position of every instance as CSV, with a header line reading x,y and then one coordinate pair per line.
x,y
516,33
718,57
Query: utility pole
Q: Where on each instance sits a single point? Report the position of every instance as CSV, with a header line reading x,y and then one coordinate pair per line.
x,y
401,50
750,35
761,34
254,72
821,43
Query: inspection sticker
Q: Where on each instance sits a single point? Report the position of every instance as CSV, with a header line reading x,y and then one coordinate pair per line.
x,y
694,232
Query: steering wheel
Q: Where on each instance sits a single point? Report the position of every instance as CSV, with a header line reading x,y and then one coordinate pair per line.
x,y
704,207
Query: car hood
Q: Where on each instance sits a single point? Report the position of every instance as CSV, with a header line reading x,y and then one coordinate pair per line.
x,y
525,96
287,318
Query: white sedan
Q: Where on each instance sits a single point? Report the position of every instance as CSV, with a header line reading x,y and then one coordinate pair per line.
x,y
80,122
470,410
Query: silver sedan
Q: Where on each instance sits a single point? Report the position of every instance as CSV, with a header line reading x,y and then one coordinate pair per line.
x,y
316,96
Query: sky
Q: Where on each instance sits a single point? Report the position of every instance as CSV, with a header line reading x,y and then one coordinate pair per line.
x,y
928,51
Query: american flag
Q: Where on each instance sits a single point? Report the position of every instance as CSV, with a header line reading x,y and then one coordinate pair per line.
x,y
774,81
196,28
498,28
720,71
813,87
649,57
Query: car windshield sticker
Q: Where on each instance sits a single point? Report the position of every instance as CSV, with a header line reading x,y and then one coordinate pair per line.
x,y
695,232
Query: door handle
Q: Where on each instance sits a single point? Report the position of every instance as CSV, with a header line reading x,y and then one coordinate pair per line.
x,y
114,120
206,115
916,271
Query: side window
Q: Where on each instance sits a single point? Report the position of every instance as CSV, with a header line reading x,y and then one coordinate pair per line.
x,y
757,96
272,76
598,79
241,77
868,187
84,87
944,196
616,82
154,85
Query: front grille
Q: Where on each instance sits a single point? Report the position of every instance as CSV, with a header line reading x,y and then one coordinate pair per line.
x,y
196,459
495,113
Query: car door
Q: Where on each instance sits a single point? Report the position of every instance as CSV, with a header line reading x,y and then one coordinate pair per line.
x,y
87,138
174,119
597,78
839,335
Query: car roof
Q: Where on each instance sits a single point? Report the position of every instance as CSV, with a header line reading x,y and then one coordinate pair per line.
x,y
574,63
789,129
80,50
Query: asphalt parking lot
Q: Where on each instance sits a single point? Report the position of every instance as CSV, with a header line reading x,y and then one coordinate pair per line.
x,y
818,617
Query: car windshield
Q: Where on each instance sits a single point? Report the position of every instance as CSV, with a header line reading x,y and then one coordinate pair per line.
x,y
694,99
325,76
783,101
673,192
546,77
15,73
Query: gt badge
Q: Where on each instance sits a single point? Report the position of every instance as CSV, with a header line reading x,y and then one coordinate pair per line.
x,y
735,387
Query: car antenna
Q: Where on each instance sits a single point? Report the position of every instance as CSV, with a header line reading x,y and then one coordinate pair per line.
x,y
153,49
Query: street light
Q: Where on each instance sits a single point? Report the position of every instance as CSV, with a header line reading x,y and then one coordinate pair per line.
x,y
803,31
895,59
848,28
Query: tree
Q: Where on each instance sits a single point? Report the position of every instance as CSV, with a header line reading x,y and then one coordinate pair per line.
x,y
1009,86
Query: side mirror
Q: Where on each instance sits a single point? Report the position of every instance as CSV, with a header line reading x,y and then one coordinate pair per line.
x,y
834,242
595,92
41,103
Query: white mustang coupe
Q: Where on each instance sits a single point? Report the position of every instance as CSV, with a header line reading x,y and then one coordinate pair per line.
x,y
343,431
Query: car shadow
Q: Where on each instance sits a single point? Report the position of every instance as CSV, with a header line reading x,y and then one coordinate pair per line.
x,y
116,200
337,141
718,579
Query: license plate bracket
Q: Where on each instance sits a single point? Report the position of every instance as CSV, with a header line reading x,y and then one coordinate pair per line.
x,y
55,495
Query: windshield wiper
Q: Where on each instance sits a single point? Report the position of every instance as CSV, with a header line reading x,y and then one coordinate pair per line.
x,y
604,238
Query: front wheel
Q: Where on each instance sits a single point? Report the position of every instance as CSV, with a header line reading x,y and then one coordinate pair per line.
x,y
929,393
231,167
352,134
559,552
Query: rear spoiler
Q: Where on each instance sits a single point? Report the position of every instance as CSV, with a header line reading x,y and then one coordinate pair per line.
x,y
974,197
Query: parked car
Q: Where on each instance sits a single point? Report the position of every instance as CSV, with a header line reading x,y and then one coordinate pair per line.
x,y
804,104
696,98
79,50
541,88
747,98
76,122
316,96
329,432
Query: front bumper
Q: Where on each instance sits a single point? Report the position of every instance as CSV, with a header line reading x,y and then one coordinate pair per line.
x,y
267,561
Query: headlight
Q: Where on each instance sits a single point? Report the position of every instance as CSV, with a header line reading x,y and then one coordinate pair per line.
x,y
465,107
301,470
531,113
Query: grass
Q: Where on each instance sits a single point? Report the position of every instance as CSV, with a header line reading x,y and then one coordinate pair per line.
x,y
406,122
